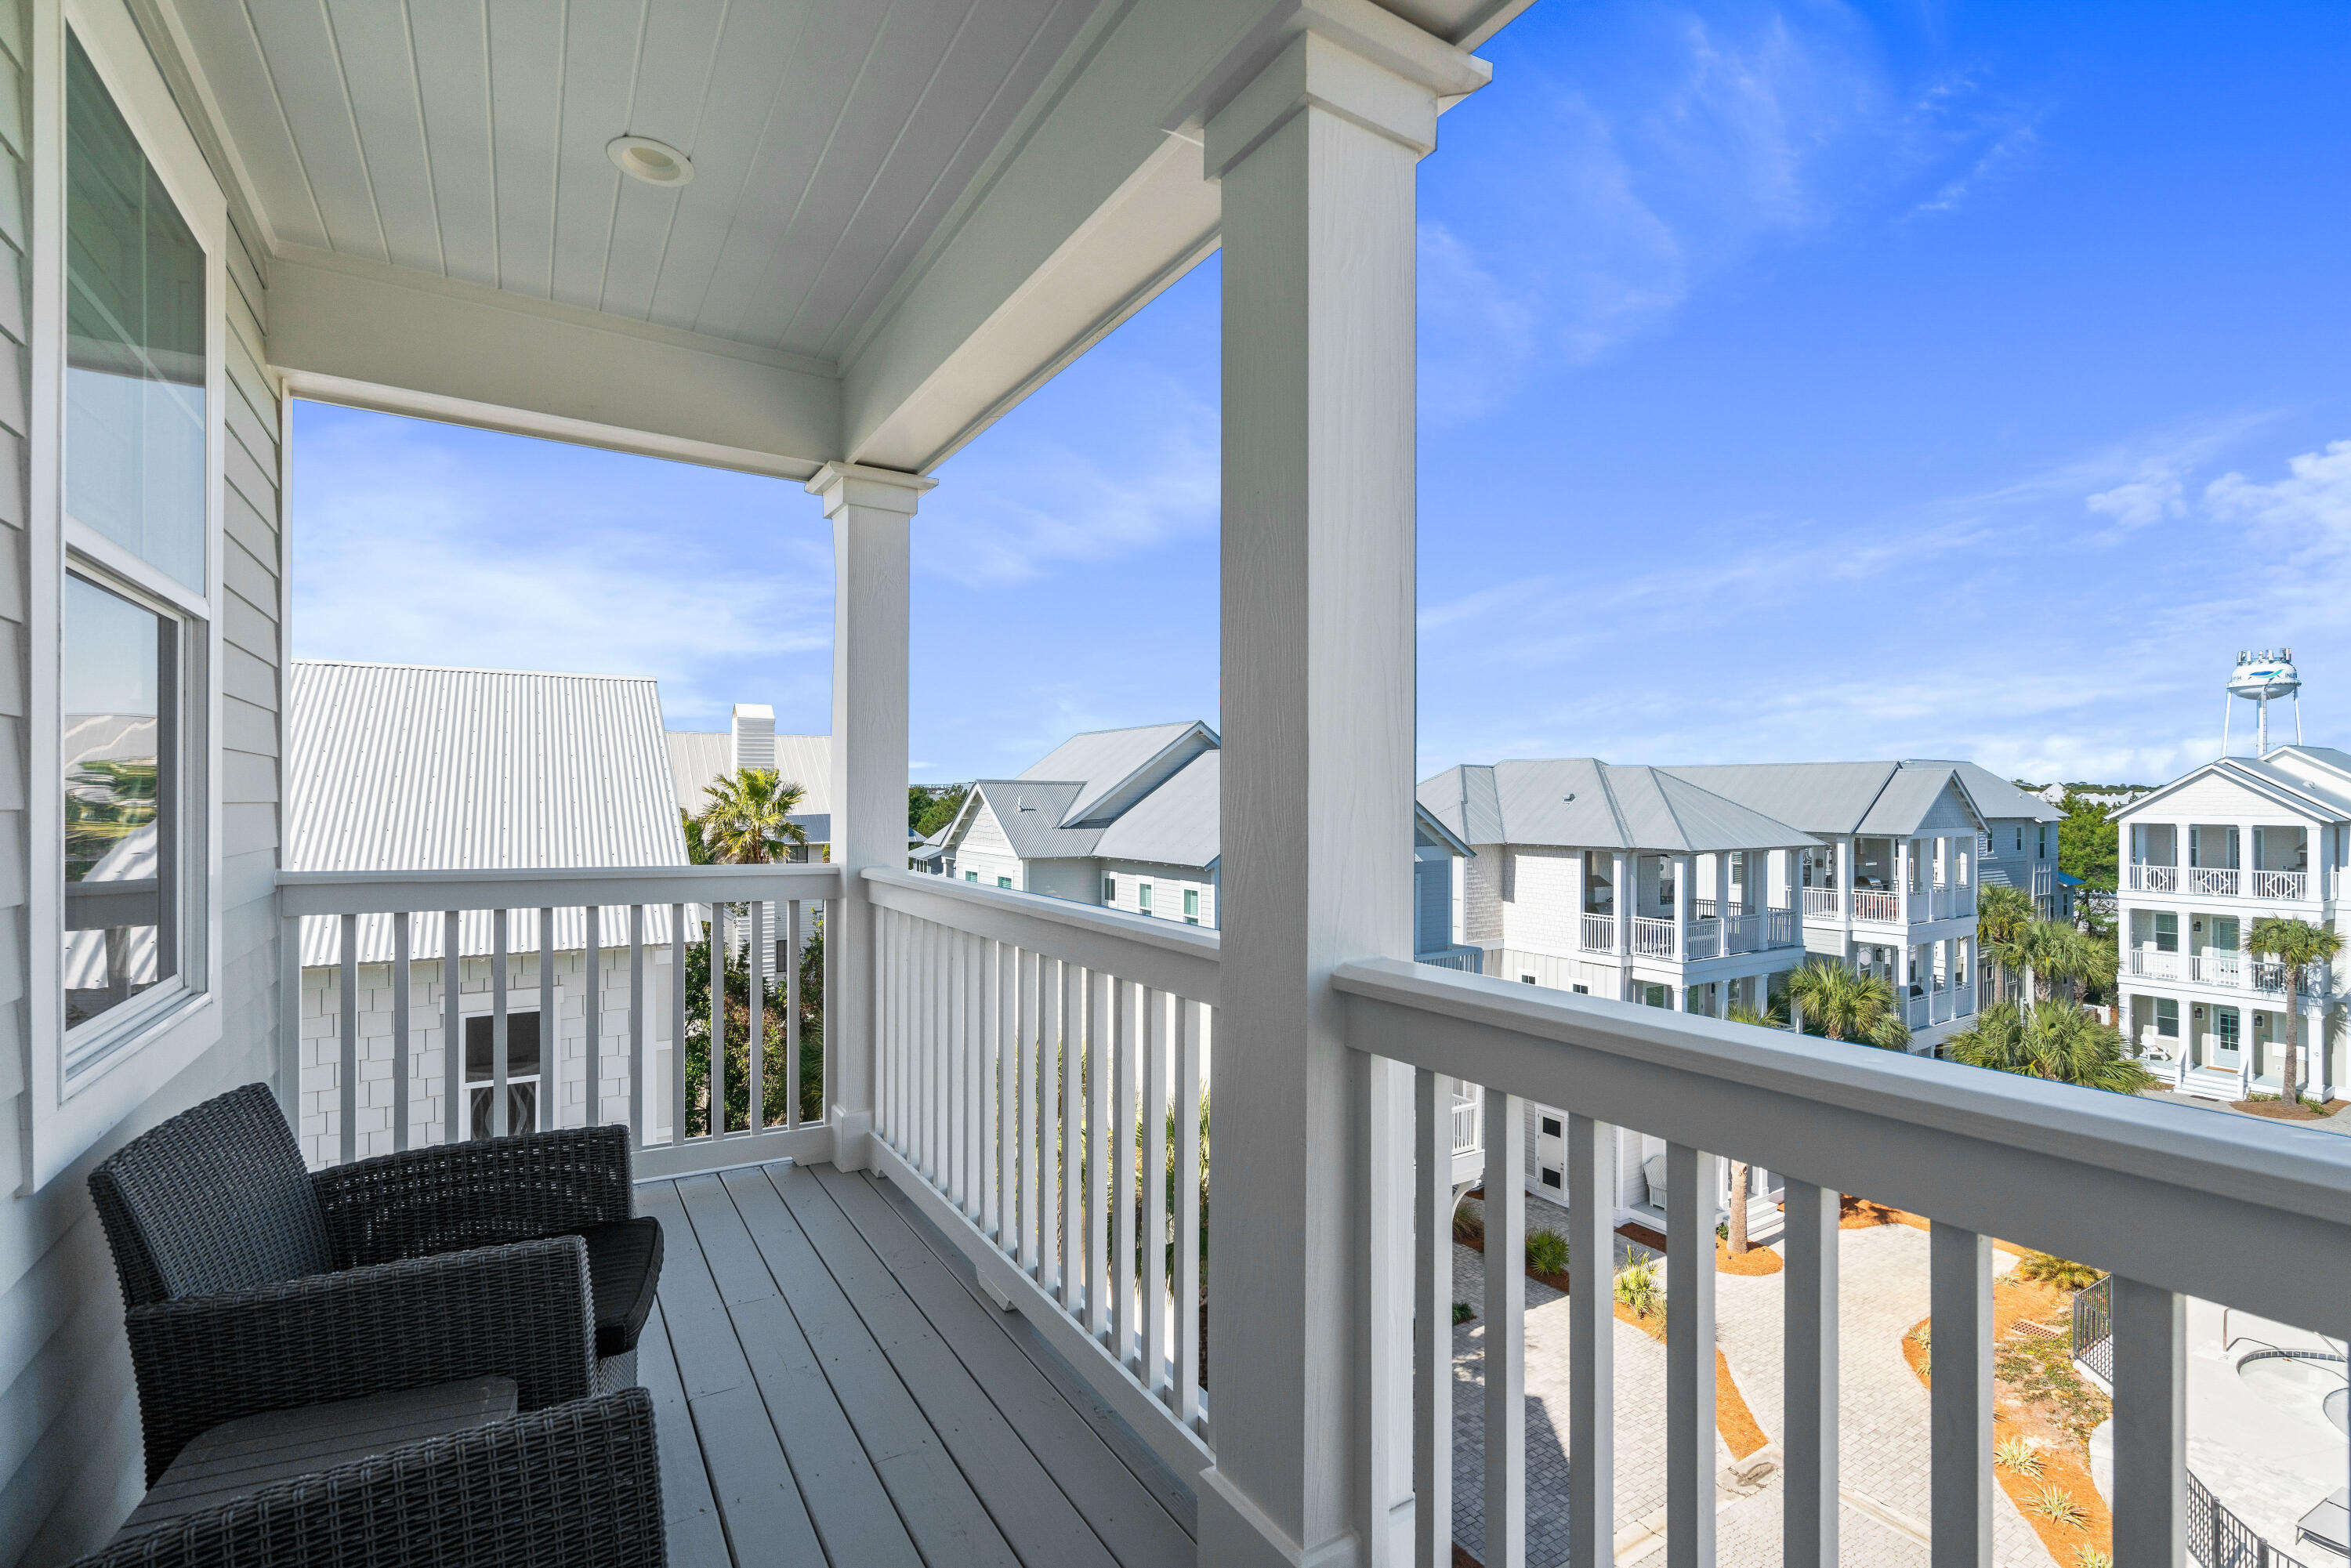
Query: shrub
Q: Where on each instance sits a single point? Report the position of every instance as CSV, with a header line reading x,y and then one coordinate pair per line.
x,y
2057,1505
2063,1273
1462,1312
1722,1231
2016,1454
1637,1288
2091,1557
1469,1229
1546,1252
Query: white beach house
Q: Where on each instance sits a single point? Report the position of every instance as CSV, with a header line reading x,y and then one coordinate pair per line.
x,y
2203,858
697,758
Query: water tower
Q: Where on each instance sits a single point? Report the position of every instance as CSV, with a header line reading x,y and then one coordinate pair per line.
x,y
2260,678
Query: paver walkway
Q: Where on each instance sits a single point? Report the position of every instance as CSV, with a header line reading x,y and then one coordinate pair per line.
x,y
1883,1434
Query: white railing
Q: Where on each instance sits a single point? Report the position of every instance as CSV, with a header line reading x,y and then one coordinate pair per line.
x,y
1653,938
1949,901
1023,1043
2150,964
1916,1011
1783,929
1747,933
1883,908
1980,1154
1822,903
2213,881
2140,877
1469,1123
2317,980
2289,884
1703,940
615,941
1599,934
1963,1000
2215,968
1462,961
1702,909
1942,1002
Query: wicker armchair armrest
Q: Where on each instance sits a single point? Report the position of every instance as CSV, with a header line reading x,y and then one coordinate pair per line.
x,y
447,1197
521,1311
578,1484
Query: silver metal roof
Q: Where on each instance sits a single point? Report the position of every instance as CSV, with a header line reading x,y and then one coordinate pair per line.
x,y
697,758
2311,778
1116,768
1836,797
409,768
1995,797
1584,802
1029,811
1176,824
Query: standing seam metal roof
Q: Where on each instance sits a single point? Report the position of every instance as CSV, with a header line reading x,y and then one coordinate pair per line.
x,y
409,768
1586,802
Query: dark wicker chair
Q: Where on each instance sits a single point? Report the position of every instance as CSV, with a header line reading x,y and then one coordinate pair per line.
x,y
577,1484
250,1284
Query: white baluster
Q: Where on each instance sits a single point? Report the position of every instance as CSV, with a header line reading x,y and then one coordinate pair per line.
x,y
1693,1196
1101,1049
637,1128
453,1033
1592,1344
755,1106
1959,1404
1123,1131
1006,1104
1050,988
547,1033
1033,974
349,1056
499,1128
792,1015
1432,1447
1156,1067
592,1030
1189,1018
399,1043
677,1024
1072,1254
1506,1332
1808,1374
2150,1427
715,1078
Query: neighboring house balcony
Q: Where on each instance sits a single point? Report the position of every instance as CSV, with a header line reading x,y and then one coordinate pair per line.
x,y
1938,1002
2283,886
2228,972
1892,907
1691,941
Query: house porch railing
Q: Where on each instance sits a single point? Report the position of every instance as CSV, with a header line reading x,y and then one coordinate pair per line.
x,y
1599,934
1881,908
1822,904
367,1092
2218,881
1979,1153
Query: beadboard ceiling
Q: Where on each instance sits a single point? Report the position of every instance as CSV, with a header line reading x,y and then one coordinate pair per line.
x,y
467,139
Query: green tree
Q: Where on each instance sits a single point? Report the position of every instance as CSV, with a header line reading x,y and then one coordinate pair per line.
x,y
1841,1003
775,1088
2062,1044
748,819
2002,914
2297,943
930,807
696,851
2088,846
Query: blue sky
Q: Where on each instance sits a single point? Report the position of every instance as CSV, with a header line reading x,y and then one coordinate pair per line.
x,y
1797,381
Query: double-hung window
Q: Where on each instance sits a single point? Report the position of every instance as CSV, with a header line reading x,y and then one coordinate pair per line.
x,y
1143,896
127,589
1191,906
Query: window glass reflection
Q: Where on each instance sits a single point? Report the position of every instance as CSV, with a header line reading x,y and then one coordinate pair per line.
x,y
119,796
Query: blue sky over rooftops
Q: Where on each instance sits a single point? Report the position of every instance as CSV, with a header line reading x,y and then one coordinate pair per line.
x,y
1797,381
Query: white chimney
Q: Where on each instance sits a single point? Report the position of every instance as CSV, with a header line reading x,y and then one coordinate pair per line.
x,y
755,735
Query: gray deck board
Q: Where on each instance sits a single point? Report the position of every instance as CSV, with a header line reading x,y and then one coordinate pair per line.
x,y
766,1521
829,1389
1129,1519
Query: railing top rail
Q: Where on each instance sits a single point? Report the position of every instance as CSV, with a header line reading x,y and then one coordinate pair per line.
x,y
1161,953
2190,1199
392,892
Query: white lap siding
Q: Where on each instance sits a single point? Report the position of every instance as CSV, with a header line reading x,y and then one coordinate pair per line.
x,y
69,1454
985,854
1169,884
1541,912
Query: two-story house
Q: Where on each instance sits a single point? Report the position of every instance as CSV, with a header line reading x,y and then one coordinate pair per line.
x,y
2018,847
1890,884
1621,882
2203,859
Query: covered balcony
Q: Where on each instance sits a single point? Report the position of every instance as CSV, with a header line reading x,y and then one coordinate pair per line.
x,y
2270,863
941,1284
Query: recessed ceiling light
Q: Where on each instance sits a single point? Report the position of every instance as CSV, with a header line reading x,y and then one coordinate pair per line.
x,y
655,162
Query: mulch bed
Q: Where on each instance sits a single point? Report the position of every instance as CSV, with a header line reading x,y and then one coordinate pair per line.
x,y
1632,1230
1861,1214
1755,1261
2281,1110
2038,1398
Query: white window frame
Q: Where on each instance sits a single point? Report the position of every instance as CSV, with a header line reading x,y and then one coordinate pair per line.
x,y
144,1044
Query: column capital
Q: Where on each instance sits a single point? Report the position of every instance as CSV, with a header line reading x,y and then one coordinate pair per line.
x,y
855,485
1352,58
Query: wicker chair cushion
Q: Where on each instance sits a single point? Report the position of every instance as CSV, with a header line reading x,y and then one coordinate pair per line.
x,y
239,1458
213,1199
624,1260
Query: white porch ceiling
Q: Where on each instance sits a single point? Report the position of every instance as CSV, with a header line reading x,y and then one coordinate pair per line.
x,y
465,138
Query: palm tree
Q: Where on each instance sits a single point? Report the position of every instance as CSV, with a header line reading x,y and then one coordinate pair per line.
x,y
2297,943
2062,1044
2002,914
750,816
1772,1016
2050,951
1847,1005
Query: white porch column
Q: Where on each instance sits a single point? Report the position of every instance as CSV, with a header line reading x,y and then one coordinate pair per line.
x,y
1315,131
869,509
1904,852
1845,858
1683,866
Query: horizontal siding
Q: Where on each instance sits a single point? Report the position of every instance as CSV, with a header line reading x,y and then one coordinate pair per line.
x,y
70,1462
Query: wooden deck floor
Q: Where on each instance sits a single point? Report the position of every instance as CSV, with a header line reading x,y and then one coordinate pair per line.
x,y
832,1389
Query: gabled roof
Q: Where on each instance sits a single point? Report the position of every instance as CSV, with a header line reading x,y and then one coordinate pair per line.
x,y
1585,803
1176,824
2306,780
1836,797
1995,797
408,768
1029,811
1116,768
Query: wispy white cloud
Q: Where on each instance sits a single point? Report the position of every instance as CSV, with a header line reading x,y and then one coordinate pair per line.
x,y
2308,510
